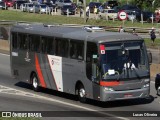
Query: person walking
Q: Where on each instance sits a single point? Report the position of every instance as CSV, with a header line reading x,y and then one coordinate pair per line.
x,y
87,13
81,11
95,12
121,30
152,35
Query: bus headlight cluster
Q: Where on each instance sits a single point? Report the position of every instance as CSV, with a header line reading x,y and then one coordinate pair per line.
x,y
146,85
108,89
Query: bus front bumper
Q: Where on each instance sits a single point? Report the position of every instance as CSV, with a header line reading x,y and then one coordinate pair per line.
x,y
123,95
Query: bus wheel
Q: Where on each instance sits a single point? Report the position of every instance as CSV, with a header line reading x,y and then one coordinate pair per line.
x,y
82,94
35,82
158,91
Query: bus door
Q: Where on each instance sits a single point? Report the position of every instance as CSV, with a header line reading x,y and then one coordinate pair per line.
x,y
14,53
92,67
23,55
74,67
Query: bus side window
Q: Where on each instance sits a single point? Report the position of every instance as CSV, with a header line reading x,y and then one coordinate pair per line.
x,y
14,41
43,45
23,43
34,43
91,50
62,47
77,50
50,46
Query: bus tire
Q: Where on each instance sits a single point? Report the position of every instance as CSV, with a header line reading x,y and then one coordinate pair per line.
x,y
35,82
158,90
82,94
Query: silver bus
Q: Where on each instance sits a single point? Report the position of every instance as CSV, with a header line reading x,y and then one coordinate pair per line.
x,y
84,61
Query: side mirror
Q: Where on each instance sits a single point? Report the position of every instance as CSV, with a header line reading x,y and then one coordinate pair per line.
x,y
149,56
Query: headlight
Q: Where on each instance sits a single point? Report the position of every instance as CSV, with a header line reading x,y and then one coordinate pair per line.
x,y
146,85
108,89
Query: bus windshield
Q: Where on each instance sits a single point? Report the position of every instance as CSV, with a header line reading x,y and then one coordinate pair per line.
x,y
120,61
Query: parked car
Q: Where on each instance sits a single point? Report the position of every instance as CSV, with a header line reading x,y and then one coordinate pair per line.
x,y
18,3
157,83
147,16
157,18
130,15
133,8
30,7
71,10
110,4
2,6
111,13
27,7
117,8
40,8
9,3
61,3
51,6
130,7
92,5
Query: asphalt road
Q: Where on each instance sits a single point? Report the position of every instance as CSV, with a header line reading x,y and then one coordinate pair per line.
x,y
18,96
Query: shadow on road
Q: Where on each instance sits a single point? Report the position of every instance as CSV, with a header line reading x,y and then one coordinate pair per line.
x,y
110,104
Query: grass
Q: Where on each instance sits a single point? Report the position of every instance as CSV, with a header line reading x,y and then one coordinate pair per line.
x,y
43,18
31,17
149,44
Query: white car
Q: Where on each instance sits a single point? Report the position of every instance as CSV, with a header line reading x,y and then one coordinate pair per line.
x,y
110,13
61,3
131,15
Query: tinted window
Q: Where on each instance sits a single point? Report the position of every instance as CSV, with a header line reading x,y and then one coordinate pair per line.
x,y
91,50
22,38
62,47
34,43
77,50
14,40
47,44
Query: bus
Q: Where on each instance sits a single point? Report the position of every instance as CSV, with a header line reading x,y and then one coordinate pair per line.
x,y
84,61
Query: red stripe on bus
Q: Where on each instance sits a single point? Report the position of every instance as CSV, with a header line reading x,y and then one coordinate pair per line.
x,y
104,83
52,73
39,71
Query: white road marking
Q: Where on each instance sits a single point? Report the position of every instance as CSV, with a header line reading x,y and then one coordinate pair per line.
x,y
4,54
4,89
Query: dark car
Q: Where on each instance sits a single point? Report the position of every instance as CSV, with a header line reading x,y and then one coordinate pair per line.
x,y
2,6
137,11
157,83
18,3
92,6
110,4
147,16
51,7
69,8
131,7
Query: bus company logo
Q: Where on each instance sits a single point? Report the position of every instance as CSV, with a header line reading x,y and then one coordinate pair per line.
x,y
27,57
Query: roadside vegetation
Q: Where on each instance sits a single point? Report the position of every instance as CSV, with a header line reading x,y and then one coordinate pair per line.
x,y
48,19
149,44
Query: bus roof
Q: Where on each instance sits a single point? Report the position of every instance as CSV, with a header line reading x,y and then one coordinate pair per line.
x,y
70,32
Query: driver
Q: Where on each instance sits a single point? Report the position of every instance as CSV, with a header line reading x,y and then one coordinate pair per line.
x,y
129,65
